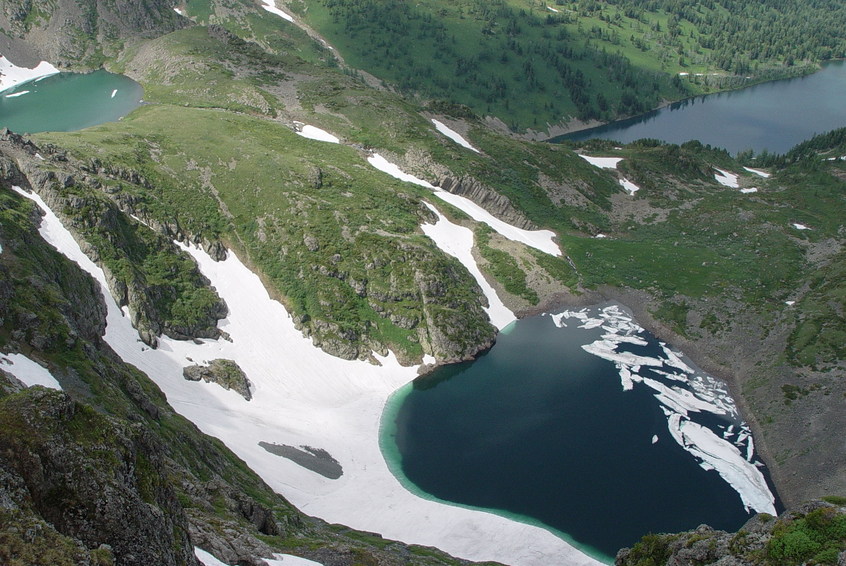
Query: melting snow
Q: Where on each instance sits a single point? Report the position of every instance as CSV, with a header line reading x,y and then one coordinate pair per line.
x,y
17,94
628,186
602,162
290,560
749,190
539,239
453,135
688,392
800,226
551,9
457,241
727,179
270,6
315,133
28,371
11,75
758,172
304,396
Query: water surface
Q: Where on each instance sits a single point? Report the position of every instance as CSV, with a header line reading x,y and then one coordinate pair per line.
x,y
65,102
774,116
542,431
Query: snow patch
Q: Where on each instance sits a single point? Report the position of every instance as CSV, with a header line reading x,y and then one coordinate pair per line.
x,y
315,133
28,371
453,135
602,162
726,179
179,11
542,240
800,226
290,560
551,9
270,6
758,172
628,186
11,74
749,190
457,241
305,397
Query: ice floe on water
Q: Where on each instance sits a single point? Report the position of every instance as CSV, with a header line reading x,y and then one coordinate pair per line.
x,y
602,162
452,134
688,397
17,94
11,74
758,172
726,178
542,240
28,371
315,133
305,397
270,6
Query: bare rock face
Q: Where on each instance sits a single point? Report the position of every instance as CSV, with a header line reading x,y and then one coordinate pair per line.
x,y
225,373
487,198
91,478
67,32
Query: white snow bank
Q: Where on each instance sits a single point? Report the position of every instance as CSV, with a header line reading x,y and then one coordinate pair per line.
x,y
453,135
800,226
539,239
551,9
305,397
727,179
11,75
749,190
290,560
457,241
315,133
758,172
179,11
629,187
270,6
602,162
28,371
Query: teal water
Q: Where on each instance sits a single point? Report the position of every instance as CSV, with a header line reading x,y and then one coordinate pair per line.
x,y
774,116
68,101
542,432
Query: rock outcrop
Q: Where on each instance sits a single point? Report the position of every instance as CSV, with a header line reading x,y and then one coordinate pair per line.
x,y
492,201
225,373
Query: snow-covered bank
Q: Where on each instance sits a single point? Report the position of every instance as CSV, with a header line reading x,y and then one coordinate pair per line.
x,y
270,6
602,162
12,75
315,133
305,397
726,179
457,241
758,172
682,392
542,240
453,135
28,371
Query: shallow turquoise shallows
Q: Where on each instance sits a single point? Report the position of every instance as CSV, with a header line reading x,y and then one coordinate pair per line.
x,y
542,431
66,102
774,116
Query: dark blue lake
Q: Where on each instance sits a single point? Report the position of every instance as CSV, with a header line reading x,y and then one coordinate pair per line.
x,y
542,431
774,116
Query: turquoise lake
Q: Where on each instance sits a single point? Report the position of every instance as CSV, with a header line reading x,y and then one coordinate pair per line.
x,y
65,102
542,431
774,116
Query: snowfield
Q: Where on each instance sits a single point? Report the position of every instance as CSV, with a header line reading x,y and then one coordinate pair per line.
x,y
12,75
302,396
